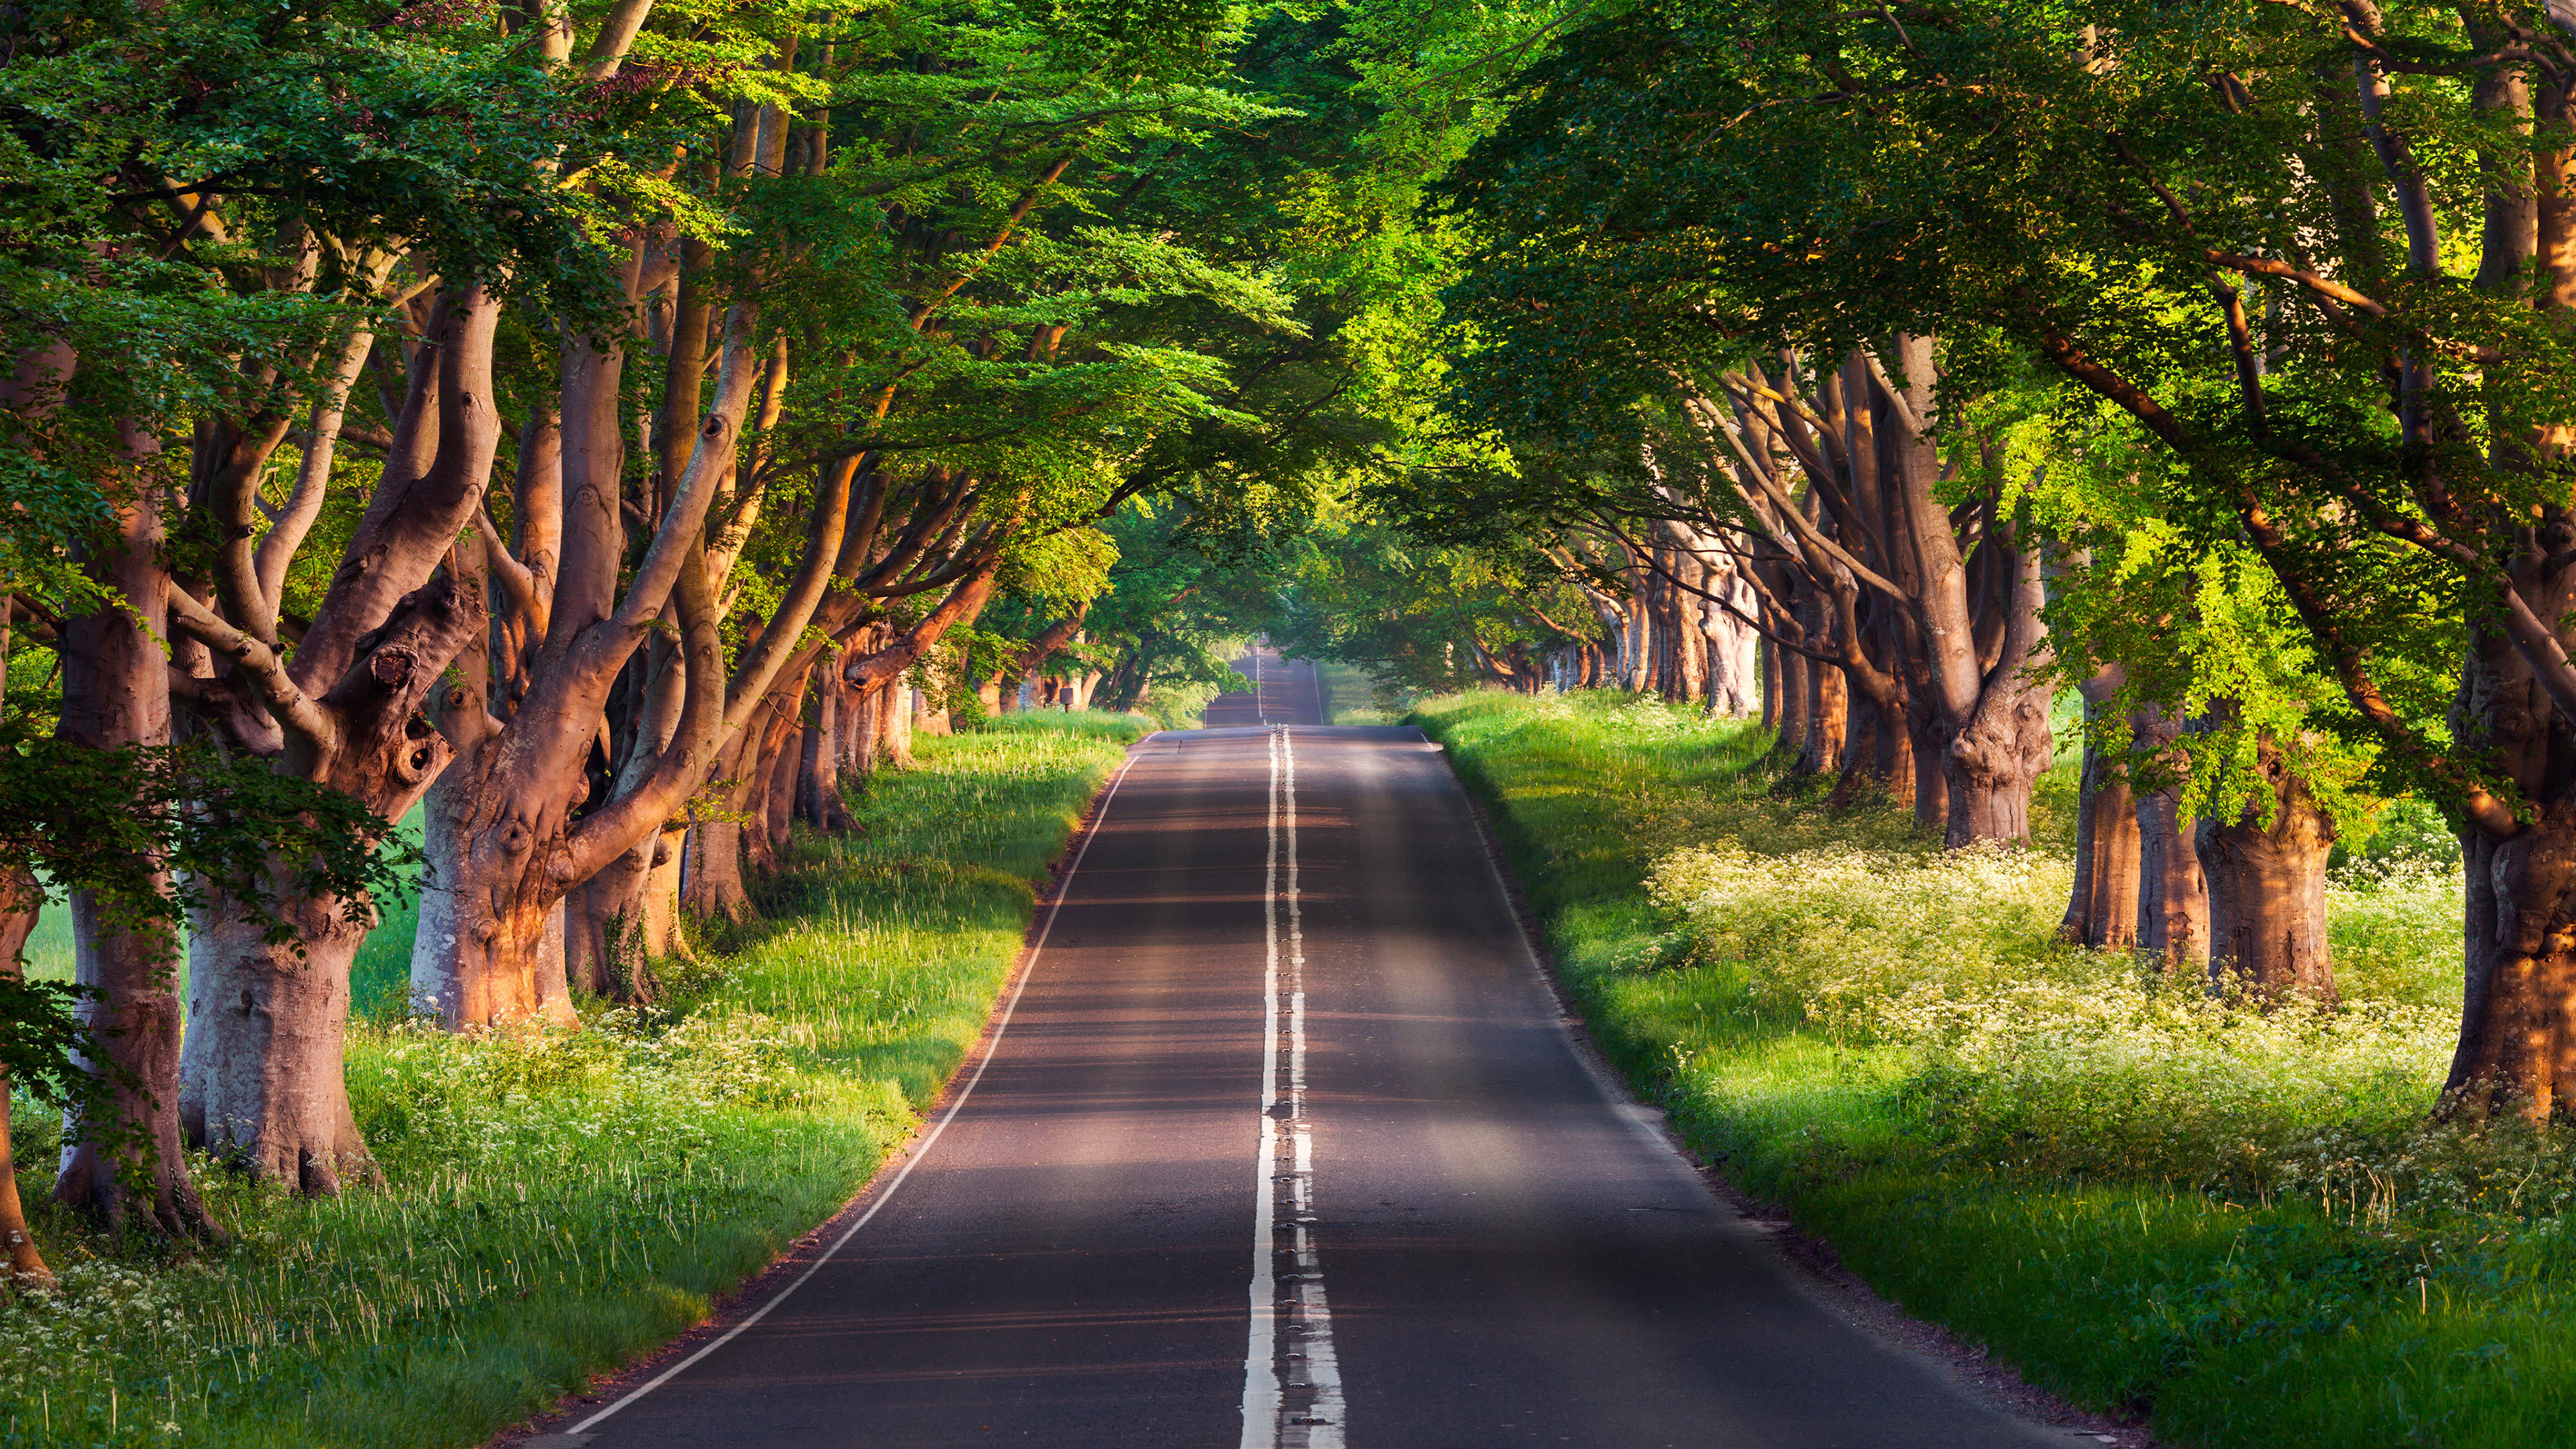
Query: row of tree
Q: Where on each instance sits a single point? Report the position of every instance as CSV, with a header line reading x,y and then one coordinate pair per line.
x,y
2212,360
593,425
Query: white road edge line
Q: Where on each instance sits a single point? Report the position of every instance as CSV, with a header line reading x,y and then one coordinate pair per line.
x,y
1314,1370
992,1044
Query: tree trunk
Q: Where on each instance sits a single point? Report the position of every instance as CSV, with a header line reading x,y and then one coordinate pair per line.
x,y
894,722
2173,895
2102,911
21,899
1739,668
269,1092
1796,700
1993,763
1828,720
2267,891
1860,747
712,886
780,813
1931,768
261,1075
1896,769
818,788
115,695
2517,1047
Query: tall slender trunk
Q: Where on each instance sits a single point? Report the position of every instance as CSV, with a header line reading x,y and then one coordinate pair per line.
x,y
1796,701
2173,895
2102,911
116,695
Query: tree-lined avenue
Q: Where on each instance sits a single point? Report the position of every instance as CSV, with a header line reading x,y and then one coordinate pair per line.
x,y
1510,1255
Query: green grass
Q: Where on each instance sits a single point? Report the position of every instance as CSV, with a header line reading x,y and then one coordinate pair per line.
x,y
2235,1224
559,1203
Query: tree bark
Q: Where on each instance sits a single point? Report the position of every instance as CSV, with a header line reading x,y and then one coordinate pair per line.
x,y
518,848
1828,721
128,1168
2173,895
2102,911
1738,672
2267,891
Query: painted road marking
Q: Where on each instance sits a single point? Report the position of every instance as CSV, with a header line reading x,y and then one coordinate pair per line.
x,y
992,1044
1292,1382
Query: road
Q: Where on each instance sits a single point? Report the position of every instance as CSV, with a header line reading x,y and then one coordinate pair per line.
x,y
1283,1145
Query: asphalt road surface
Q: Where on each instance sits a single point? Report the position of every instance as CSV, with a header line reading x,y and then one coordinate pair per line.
x,y
1283,1143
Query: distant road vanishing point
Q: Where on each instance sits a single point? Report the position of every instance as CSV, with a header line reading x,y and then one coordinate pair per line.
x,y
1281,1141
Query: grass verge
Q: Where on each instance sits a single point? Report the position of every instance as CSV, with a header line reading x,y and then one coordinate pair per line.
x,y
557,1203
2233,1223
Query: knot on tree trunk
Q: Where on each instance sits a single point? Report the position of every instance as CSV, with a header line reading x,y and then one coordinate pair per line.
x,y
389,668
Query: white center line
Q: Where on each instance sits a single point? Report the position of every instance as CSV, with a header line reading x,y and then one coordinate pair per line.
x,y
1292,1383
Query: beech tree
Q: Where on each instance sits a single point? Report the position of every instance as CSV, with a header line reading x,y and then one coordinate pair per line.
x,y
254,249
2230,225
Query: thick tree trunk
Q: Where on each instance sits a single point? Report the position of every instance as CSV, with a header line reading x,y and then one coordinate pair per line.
x,y
894,727
261,1074
818,788
2267,892
780,812
712,885
1739,667
1895,767
2517,1046
116,694
2103,911
1993,763
269,1093
1828,721
2173,895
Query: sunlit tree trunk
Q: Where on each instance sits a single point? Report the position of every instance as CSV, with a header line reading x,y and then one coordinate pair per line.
x,y
2103,908
2267,890
2173,895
